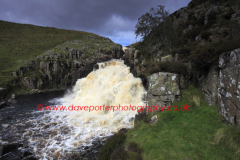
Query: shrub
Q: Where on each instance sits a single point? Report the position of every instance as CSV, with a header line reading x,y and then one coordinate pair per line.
x,y
193,33
112,143
184,51
119,154
174,67
211,20
205,35
142,116
204,56
195,3
132,152
229,14
134,148
224,22
143,50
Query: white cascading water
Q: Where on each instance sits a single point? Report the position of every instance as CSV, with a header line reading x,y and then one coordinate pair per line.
x,y
58,133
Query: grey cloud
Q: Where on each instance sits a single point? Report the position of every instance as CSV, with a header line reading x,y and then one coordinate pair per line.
x,y
103,17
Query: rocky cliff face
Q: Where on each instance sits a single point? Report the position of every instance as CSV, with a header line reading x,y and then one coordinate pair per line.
x,y
208,48
229,87
62,66
221,86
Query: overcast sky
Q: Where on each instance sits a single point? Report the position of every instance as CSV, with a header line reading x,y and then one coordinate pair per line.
x,y
115,19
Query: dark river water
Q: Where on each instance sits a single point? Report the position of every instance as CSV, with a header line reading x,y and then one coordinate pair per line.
x,y
14,118
28,103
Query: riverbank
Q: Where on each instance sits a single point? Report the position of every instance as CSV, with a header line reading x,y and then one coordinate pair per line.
x,y
185,135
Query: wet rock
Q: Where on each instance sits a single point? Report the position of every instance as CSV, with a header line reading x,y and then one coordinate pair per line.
x,y
3,92
3,104
95,67
12,99
14,152
9,148
26,154
30,158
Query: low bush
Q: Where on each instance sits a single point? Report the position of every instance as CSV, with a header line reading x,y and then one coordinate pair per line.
x,y
183,51
211,20
143,50
112,143
193,33
195,3
119,154
142,116
229,14
224,22
206,55
173,67
134,147
132,151
205,35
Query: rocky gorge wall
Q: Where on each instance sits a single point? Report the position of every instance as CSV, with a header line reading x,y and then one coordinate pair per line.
x,y
221,86
65,64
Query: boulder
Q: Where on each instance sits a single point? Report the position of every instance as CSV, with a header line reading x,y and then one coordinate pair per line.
x,y
154,119
15,74
162,89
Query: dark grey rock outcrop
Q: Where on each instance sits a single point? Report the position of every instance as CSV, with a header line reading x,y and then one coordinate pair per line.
x,y
3,92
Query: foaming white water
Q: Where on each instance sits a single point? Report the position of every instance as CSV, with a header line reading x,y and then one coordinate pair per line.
x,y
58,133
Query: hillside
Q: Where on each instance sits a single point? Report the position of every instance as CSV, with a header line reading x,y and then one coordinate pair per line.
x,y
199,33
20,43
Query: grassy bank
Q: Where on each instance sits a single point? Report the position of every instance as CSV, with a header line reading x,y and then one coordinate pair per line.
x,y
195,134
22,42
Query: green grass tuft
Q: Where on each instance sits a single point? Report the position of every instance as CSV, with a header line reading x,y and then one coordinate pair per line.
x,y
183,134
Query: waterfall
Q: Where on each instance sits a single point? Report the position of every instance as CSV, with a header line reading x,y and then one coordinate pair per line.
x,y
57,133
